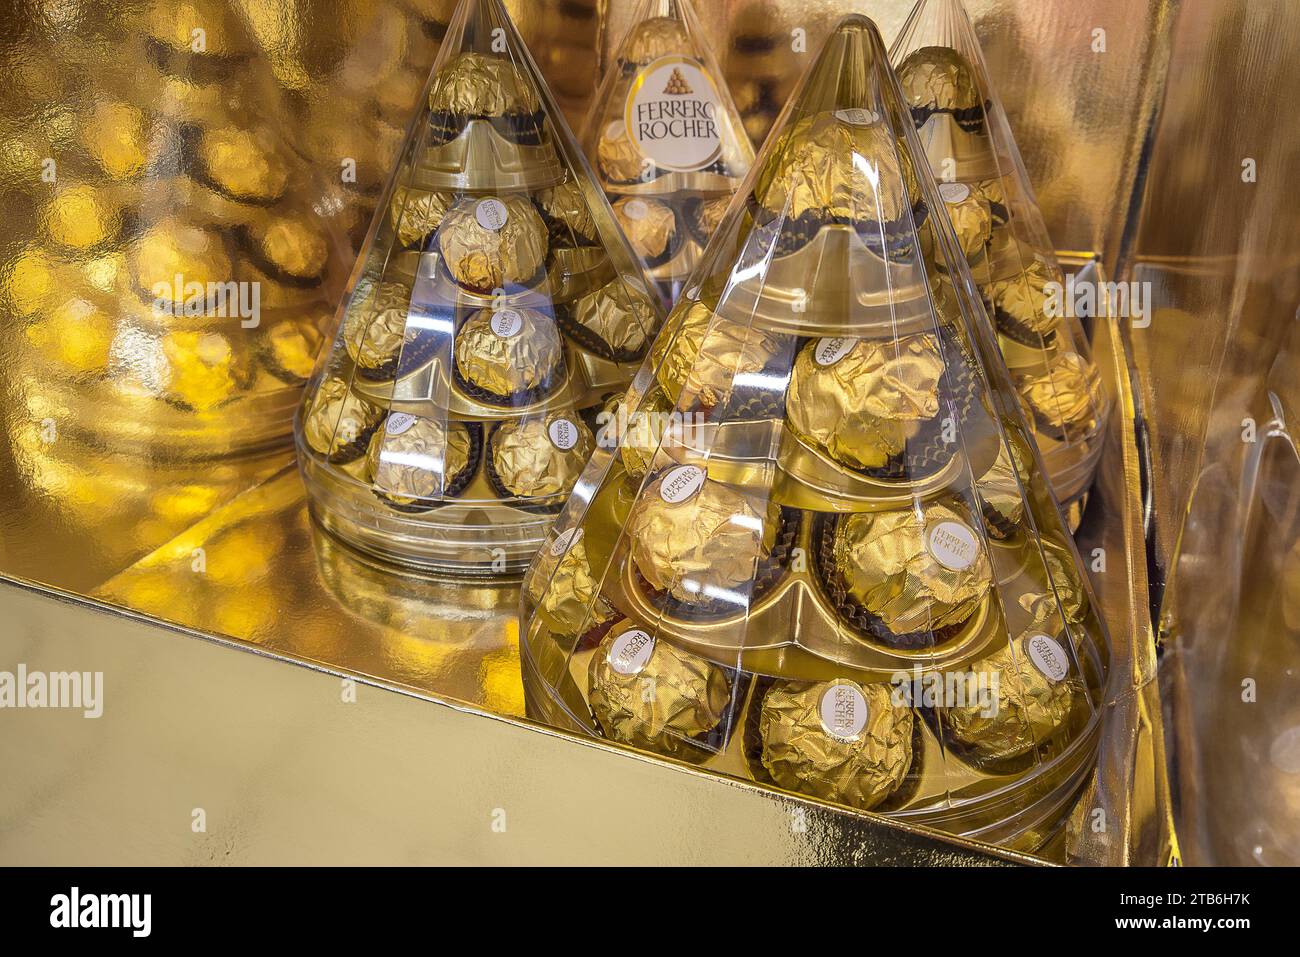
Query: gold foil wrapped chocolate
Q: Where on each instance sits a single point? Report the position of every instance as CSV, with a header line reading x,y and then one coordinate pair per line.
x,y
695,538
653,38
1030,688
844,165
617,155
82,216
562,583
474,84
969,214
649,694
416,213
541,457
650,225
173,25
291,244
915,572
637,433
245,165
836,740
203,369
1065,398
618,315
705,216
492,243
375,328
938,78
290,348
999,488
700,354
170,249
860,400
337,423
1024,297
508,350
1060,594
566,204
993,192
416,458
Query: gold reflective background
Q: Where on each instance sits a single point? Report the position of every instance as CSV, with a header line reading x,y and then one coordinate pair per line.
x,y
1145,173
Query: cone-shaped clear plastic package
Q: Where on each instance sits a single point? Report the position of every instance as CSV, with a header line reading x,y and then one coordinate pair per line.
x,y
818,550
1000,228
666,141
495,306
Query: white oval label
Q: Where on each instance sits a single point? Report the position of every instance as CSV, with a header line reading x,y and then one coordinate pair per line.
x,y
843,710
1048,657
507,322
635,209
564,541
630,652
953,545
681,482
672,114
858,117
491,214
563,433
827,352
954,193
399,423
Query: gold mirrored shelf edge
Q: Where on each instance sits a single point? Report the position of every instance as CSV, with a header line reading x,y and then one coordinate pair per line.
x,y
275,758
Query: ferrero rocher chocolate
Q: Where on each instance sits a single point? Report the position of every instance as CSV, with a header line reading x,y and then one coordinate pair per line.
x,y
509,350
337,423
417,213
619,158
291,244
637,433
699,355
705,216
1060,594
82,216
375,327
844,165
493,243
170,249
836,740
173,24
562,583
693,537
649,694
1024,297
650,226
416,458
541,457
290,348
994,193
1030,688
860,400
618,315
474,84
969,214
204,369
245,165
650,39
1064,399
999,488
915,572
566,205
938,78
